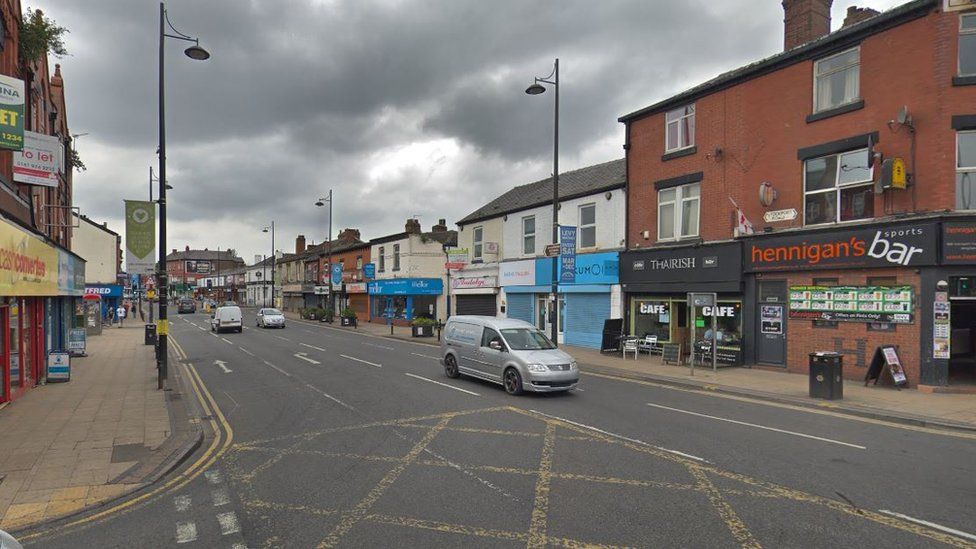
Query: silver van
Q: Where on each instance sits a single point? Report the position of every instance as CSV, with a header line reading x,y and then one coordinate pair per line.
x,y
510,352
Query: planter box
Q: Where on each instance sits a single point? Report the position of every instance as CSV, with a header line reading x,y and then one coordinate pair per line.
x,y
422,331
348,321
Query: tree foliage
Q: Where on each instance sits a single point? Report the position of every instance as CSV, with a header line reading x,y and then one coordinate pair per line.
x,y
40,35
75,161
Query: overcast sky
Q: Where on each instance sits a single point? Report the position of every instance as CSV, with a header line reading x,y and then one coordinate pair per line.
x,y
402,107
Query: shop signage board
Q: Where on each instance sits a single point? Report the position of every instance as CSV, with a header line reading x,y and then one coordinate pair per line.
x,y
198,267
959,243
886,359
58,366
468,283
28,265
457,255
716,266
40,160
780,215
454,266
320,290
407,286
104,290
567,255
71,274
941,326
598,268
337,274
355,287
517,273
893,304
369,271
140,236
12,101
896,245
77,342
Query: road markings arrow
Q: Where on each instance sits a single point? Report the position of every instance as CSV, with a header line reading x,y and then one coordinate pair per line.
x,y
223,366
305,358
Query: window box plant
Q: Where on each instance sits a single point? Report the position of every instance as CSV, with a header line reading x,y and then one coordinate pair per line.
x,y
347,317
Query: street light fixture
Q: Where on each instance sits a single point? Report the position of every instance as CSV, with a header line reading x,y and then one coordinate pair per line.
x,y
274,256
321,202
535,89
199,54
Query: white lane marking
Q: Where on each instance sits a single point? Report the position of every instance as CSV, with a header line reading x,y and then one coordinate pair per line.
x,y
220,497
213,476
774,429
578,390
226,340
228,523
201,328
301,356
938,527
361,360
238,546
621,437
284,338
186,532
280,371
223,366
312,347
426,356
182,503
214,334
246,351
380,346
330,397
442,384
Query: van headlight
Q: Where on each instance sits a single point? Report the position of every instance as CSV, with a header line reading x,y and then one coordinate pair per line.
x,y
536,368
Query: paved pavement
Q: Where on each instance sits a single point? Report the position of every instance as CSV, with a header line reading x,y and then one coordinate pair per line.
x,y
327,437
68,446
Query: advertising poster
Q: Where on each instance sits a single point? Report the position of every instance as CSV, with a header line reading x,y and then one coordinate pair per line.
x,y
853,303
199,267
140,236
40,160
567,255
772,319
941,326
11,113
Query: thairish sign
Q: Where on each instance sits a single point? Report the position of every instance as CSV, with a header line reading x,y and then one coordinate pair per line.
x,y
905,245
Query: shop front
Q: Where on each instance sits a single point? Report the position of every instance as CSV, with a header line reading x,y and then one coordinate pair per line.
x,y
475,290
111,297
357,299
953,324
656,284
404,299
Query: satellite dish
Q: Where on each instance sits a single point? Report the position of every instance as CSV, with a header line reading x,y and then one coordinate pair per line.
x,y
903,117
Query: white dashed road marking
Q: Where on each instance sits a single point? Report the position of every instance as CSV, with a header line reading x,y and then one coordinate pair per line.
x,y
312,347
220,497
214,476
182,503
279,370
443,384
245,351
301,356
426,356
939,527
186,532
226,340
361,360
330,397
228,523
284,338
380,346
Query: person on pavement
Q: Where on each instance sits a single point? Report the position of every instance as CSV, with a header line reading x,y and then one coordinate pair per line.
x,y
120,313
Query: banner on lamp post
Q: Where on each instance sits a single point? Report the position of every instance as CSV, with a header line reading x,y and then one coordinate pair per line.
x,y
567,255
140,236
11,113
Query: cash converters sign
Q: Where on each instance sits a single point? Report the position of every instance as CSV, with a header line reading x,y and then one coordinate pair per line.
x,y
28,266
906,245
11,113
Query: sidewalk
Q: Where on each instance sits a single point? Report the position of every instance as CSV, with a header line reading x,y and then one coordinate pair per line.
x,y
909,405
103,434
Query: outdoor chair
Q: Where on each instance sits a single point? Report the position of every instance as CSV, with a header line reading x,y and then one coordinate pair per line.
x,y
630,346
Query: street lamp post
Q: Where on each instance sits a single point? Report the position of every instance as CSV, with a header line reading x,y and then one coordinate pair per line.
x,y
535,89
273,257
153,178
321,202
197,53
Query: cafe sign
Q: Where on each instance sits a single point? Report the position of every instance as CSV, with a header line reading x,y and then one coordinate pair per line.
x,y
892,304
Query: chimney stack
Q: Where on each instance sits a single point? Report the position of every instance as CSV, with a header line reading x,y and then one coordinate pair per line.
x,y
349,235
174,250
441,226
805,21
413,226
300,244
187,248
258,258
855,15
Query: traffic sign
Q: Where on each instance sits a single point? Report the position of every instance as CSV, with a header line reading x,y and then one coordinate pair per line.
x,y
552,250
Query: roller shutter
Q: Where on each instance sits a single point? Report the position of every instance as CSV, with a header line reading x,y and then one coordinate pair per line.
x,y
477,304
585,314
520,307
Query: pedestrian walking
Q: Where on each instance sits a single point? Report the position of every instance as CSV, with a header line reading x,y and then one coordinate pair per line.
x,y
120,313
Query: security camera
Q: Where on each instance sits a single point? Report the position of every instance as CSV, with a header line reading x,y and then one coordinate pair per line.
x,y
942,285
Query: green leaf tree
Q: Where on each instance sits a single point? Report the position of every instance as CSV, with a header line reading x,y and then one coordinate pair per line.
x,y
40,34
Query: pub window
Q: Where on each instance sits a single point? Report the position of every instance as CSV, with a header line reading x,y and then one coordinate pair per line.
x,y
882,281
677,212
838,187
587,226
966,170
967,45
479,245
528,235
837,80
396,257
382,259
825,323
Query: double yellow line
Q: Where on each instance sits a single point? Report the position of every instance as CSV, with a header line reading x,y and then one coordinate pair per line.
x,y
223,438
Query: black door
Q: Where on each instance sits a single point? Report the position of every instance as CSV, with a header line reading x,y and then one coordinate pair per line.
x,y
477,304
771,323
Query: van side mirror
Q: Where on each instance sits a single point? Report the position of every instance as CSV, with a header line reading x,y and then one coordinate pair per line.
x,y
496,345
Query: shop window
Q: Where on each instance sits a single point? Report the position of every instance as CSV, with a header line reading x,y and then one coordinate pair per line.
x,y
382,259
838,187
837,80
587,226
396,257
478,236
528,235
967,45
966,170
16,380
825,323
651,317
424,306
680,129
677,212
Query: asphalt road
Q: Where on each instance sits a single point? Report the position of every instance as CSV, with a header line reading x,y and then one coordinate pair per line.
x,y
335,438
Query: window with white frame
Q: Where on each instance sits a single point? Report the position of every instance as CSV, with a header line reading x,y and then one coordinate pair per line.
x,y
359,262
680,129
587,226
966,170
382,259
396,257
478,237
837,80
967,45
528,235
677,212
838,187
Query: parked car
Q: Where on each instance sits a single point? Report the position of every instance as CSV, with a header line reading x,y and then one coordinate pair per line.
x,y
187,306
8,542
226,318
510,352
270,318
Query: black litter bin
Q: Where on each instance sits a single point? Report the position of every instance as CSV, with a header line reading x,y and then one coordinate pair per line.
x,y
150,334
826,375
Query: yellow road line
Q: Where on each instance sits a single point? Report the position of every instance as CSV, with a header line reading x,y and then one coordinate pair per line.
x,y
538,527
735,525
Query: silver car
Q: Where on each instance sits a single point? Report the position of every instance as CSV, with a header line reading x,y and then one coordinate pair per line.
x,y
510,352
270,318
8,542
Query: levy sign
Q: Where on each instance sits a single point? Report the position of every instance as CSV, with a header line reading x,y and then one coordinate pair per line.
x,y
567,255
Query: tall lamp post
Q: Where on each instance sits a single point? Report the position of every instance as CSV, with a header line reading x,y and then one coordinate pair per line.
x,y
321,202
199,54
535,89
169,187
273,257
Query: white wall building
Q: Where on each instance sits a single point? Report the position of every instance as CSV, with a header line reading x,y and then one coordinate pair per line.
x,y
101,249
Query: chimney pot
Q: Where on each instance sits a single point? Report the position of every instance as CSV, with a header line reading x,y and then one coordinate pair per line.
x,y
300,244
855,15
805,21
413,226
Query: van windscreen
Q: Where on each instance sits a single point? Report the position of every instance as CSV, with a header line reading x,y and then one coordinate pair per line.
x,y
525,339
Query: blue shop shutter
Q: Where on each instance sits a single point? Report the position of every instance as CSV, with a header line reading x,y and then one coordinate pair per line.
x,y
585,314
520,306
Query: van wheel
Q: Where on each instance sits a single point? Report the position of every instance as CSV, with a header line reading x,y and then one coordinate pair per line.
x,y
513,382
451,367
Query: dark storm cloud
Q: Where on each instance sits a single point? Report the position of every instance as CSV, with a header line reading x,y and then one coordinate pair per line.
x,y
403,107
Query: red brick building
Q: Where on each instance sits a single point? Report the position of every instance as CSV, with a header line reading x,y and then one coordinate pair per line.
x,y
804,145
350,253
184,268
